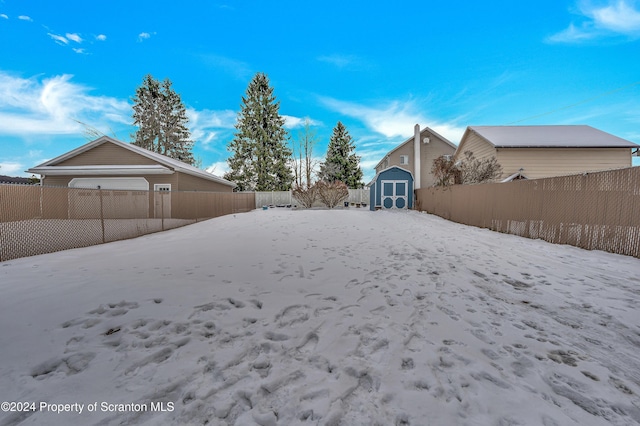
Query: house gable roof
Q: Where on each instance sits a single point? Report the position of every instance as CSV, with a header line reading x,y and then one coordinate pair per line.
x,y
574,136
166,165
410,140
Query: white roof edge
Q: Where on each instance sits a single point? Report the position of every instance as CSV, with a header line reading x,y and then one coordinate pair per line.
x,y
100,170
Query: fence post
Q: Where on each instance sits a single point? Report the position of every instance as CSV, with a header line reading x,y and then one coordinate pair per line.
x,y
101,213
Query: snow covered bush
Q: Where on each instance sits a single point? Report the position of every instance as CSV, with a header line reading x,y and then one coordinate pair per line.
x,y
331,194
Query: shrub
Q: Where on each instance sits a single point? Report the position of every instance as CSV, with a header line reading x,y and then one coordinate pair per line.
x,y
473,170
331,194
306,195
465,171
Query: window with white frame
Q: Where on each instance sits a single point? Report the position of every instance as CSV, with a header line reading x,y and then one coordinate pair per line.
x,y
404,159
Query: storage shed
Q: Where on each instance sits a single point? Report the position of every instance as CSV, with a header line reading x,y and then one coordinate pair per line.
x,y
392,188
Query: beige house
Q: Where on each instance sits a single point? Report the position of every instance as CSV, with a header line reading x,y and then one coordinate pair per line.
x,y
116,166
532,152
416,155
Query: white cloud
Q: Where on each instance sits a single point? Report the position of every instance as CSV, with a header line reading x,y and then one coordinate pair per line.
x,y
206,125
11,168
59,39
79,50
51,106
392,120
618,17
291,122
219,168
74,37
101,37
2,15
144,36
25,18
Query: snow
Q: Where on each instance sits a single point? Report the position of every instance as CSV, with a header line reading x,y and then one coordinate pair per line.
x,y
318,317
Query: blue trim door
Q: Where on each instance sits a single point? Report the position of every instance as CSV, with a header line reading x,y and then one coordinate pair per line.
x,y
394,194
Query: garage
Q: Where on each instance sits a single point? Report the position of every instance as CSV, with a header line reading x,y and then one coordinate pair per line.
x,y
392,188
118,198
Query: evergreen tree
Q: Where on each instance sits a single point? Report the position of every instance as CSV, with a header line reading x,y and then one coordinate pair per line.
x,y
342,164
162,120
260,160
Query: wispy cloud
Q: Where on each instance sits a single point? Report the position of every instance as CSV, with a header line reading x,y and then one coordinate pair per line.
x,y
340,60
291,122
2,15
25,18
101,37
206,126
61,40
74,37
236,68
144,36
392,119
66,39
616,18
51,106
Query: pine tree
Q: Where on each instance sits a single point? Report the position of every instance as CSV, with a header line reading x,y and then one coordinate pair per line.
x,y
162,120
342,164
260,160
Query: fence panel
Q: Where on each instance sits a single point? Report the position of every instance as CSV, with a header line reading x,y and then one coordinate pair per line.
x,y
595,211
276,198
37,220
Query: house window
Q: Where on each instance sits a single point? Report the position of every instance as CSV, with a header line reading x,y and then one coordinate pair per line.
x,y
404,159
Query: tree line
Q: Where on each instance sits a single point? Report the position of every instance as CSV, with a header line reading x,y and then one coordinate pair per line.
x,y
261,158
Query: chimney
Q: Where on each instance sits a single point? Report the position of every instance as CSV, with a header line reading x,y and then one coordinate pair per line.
x,y
416,157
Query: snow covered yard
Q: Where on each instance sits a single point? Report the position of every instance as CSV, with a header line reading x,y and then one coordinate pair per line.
x,y
344,317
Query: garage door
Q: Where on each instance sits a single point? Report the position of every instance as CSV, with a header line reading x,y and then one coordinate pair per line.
x,y
119,198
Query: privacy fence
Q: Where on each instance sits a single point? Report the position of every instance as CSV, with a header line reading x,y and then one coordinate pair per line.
x,y
274,198
595,211
36,220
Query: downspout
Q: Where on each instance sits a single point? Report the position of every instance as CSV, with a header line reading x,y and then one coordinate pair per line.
x,y
416,157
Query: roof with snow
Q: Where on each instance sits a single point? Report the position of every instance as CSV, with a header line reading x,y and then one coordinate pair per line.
x,y
573,136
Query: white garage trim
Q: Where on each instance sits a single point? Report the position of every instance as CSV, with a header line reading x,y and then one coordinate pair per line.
x,y
119,183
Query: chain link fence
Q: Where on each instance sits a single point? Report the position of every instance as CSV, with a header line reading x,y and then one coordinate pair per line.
x,y
595,211
36,220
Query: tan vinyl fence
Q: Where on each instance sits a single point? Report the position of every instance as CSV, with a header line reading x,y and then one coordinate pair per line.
x,y
595,211
36,220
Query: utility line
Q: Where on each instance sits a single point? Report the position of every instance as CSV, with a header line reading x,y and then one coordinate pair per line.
x,y
578,103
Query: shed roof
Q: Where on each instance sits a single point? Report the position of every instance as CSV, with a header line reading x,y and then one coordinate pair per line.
x,y
555,136
49,167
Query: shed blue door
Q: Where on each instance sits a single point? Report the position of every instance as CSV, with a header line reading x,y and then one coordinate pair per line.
x,y
392,188
394,194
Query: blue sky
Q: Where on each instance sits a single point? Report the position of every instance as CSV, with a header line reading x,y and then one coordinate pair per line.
x,y
379,67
